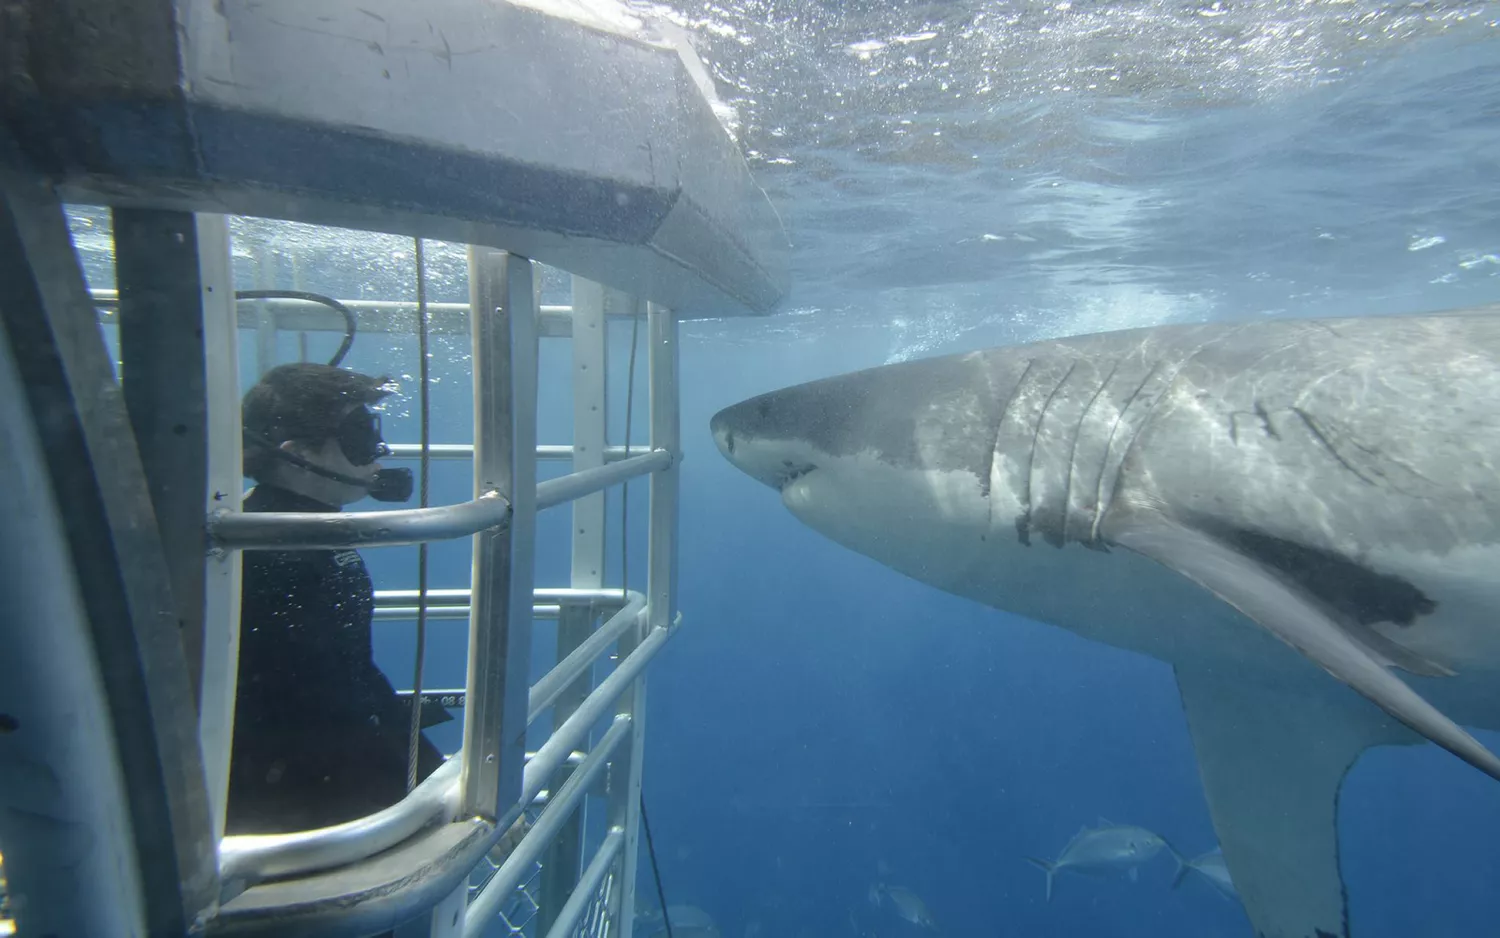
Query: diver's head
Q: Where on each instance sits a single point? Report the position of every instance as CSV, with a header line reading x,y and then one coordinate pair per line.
x,y
309,429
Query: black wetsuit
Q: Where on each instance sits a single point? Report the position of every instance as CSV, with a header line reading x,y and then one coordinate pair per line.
x,y
320,736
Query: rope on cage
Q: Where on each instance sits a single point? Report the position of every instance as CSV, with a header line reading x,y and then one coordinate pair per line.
x,y
661,895
414,740
635,333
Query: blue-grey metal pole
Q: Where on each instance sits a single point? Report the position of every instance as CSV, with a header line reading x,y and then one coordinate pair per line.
x,y
502,299
563,862
110,575
661,599
221,581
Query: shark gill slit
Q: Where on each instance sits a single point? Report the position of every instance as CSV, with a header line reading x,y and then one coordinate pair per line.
x,y
1073,453
1024,495
993,452
1036,432
1100,505
1151,405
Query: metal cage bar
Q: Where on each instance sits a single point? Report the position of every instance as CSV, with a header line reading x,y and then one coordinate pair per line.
x,y
93,507
456,606
159,272
582,895
575,485
661,597
166,113
597,598
38,584
575,728
493,780
250,858
221,582
505,386
578,643
281,530
246,859
559,808
261,319
269,315
570,669
549,451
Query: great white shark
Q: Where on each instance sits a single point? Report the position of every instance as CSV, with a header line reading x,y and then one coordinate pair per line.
x,y
1286,511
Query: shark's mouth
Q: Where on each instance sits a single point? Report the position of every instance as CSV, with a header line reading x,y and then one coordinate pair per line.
x,y
791,472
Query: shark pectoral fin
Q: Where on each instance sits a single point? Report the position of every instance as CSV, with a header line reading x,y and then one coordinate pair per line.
x,y
1272,761
1292,617
1387,652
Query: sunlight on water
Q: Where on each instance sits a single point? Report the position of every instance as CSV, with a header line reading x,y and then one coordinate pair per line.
x,y
940,165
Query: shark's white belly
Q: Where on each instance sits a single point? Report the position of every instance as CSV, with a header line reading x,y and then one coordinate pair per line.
x,y
945,534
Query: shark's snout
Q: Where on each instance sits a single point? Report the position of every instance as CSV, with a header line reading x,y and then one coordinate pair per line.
x,y
723,433
731,431
772,459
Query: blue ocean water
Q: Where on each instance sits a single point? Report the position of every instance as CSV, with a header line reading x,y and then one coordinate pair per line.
x,y
828,715
953,176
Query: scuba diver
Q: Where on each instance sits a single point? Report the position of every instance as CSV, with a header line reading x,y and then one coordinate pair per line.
x,y
320,736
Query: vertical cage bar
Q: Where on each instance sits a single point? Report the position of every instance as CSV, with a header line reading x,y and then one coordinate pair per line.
x,y
661,556
589,412
445,920
265,313
163,379
563,863
566,924
661,570
99,490
221,585
53,691
502,299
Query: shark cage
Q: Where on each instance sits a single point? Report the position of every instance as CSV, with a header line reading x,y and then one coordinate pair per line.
x,y
565,134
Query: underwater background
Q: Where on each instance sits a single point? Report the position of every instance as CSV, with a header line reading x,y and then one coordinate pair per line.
x,y
955,176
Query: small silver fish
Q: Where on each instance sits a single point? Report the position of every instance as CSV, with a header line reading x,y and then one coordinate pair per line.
x,y
855,928
1211,866
1107,848
907,904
